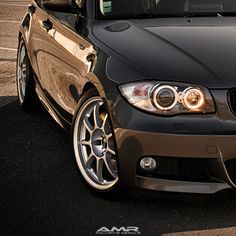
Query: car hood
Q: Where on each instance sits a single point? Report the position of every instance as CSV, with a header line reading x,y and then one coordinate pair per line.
x,y
200,51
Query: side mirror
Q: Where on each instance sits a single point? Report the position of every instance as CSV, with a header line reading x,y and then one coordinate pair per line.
x,y
61,6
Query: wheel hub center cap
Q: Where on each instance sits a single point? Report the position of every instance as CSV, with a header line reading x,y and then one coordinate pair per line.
x,y
99,142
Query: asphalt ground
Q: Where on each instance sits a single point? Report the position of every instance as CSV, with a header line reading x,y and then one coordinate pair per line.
x,y
41,192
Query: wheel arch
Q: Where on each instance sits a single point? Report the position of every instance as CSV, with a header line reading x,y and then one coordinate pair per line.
x,y
21,35
98,88
89,86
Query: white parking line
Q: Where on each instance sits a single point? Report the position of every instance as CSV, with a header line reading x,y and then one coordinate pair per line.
x,y
15,5
8,49
10,21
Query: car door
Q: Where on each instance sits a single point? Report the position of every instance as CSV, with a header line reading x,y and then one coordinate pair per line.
x,y
65,61
34,37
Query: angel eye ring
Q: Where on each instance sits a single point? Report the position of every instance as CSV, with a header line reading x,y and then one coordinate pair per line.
x,y
165,97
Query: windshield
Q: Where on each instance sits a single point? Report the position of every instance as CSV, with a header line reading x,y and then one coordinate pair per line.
x,y
120,9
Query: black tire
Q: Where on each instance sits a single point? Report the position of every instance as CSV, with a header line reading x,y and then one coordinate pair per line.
x,y
89,96
27,97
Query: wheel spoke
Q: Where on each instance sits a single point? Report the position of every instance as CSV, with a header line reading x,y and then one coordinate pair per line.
x,y
109,166
96,116
23,88
85,143
22,55
87,124
19,72
111,151
90,160
104,122
99,169
106,126
20,79
23,69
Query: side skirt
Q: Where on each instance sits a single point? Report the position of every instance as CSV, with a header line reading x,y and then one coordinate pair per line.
x,y
62,122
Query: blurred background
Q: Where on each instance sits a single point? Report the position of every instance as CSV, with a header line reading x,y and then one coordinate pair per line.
x,y
11,14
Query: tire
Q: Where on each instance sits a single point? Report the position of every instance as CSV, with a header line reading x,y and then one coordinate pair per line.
x,y
27,97
94,145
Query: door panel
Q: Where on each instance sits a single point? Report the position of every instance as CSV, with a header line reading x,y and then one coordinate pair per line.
x,y
66,65
35,40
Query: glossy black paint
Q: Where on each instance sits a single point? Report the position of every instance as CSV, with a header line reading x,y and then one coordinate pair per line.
x,y
200,51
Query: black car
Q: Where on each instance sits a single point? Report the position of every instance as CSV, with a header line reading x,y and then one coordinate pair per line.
x,y
147,88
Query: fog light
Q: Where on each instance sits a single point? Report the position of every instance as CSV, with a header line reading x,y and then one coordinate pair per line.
x,y
148,164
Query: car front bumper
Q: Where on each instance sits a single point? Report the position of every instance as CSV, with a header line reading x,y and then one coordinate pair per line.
x,y
133,145
180,144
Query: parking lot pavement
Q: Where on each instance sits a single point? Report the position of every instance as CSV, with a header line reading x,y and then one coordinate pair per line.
x,y
41,192
11,13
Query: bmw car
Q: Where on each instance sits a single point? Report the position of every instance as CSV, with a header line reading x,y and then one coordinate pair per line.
x,y
147,88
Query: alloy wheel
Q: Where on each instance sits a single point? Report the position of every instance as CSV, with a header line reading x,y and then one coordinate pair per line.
x,y
94,145
21,72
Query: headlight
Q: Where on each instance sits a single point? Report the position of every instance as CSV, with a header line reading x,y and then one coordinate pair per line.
x,y
193,98
167,98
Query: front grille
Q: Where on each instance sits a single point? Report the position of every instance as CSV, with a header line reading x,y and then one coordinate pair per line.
x,y
232,101
185,169
231,168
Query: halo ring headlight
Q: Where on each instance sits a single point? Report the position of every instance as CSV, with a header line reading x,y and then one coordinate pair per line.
x,y
165,97
193,98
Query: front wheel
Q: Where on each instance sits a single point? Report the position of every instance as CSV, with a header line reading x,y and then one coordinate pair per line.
x,y
94,144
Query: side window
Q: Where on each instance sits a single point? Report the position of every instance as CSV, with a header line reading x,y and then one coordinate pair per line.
x,y
38,2
67,19
71,20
